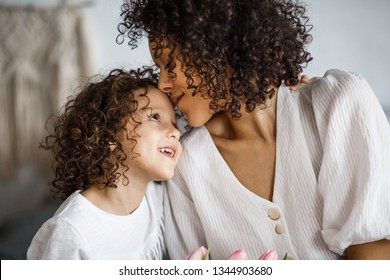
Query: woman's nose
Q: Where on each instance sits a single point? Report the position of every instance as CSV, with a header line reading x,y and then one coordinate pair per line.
x,y
165,83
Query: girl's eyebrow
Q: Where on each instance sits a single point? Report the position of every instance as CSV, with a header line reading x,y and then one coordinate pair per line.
x,y
153,108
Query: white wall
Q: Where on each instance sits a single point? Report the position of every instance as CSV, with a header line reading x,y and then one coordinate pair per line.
x,y
353,35
348,34
103,18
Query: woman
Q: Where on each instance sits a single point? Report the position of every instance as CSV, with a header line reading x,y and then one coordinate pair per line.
x,y
305,173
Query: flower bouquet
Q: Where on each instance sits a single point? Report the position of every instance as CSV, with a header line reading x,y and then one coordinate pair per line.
x,y
201,253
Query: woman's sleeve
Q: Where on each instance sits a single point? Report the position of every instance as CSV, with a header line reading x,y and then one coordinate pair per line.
x,y
183,228
57,240
354,178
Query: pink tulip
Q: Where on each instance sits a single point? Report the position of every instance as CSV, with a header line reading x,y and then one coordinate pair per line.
x,y
198,254
269,255
238,255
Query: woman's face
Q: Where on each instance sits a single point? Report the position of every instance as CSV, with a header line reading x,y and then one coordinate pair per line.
x,y
195,108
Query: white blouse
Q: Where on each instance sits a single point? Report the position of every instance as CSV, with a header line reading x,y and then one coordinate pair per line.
x,y
332,180
81,231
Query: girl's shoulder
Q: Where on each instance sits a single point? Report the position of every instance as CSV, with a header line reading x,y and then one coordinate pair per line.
x,y
65,219
74,211
71,204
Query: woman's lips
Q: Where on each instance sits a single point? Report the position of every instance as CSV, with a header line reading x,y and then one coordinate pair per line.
x,y
175,99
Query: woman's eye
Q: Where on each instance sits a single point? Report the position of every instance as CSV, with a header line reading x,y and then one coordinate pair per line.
x,y
155,117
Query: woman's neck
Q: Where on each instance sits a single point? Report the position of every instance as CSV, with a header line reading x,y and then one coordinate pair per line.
x,y
258,124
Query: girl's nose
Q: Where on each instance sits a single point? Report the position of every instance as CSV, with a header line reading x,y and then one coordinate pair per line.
x,y
174,133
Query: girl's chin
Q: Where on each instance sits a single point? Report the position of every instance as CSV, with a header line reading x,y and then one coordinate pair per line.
x,y
165,177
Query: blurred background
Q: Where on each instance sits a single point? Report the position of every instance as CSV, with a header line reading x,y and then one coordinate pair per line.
x,y
48,47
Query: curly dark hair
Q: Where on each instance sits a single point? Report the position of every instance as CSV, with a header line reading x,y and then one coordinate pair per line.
x,y
85,138
261,43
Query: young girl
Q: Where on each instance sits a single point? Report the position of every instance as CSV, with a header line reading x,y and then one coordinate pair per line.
x,y
113,139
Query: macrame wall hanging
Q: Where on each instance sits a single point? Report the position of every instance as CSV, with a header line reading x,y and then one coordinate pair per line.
x,y
44,52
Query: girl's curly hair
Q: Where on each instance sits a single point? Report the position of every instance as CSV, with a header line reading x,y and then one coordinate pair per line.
x,y
261,43
85,138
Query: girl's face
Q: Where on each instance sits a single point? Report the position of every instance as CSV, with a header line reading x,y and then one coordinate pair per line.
x,y
195,108
157,151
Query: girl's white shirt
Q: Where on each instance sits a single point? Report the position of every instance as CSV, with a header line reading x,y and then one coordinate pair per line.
x,y
332,180
80,230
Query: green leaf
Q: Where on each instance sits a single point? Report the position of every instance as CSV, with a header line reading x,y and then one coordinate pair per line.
x,y
285,257
206,257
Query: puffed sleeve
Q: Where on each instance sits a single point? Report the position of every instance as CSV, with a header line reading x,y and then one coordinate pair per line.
x,y
181,219
57,240
354,178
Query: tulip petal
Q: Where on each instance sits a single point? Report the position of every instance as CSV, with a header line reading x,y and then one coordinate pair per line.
x,y
269,255
238,255
197,254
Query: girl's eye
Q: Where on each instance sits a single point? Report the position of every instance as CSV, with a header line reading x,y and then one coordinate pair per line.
x,y
155,117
